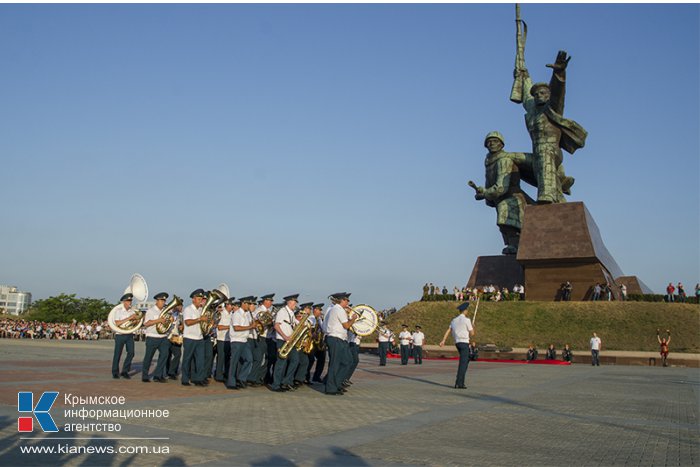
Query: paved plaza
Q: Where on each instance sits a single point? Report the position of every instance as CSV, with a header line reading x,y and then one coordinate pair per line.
x,y
511,414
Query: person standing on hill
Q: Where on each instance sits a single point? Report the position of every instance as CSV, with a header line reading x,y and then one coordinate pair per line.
x,y
663,346
596,345
669,292
461,329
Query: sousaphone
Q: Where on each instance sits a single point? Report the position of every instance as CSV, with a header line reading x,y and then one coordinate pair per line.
x,y
139,289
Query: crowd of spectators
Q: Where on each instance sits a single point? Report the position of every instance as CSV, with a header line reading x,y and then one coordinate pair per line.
x,y
24,329
486,292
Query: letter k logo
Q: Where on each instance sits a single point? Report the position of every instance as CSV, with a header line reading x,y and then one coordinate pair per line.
x,y
25,403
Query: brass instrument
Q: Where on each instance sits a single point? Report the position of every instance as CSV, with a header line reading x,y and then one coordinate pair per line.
x,y
301,330
263,322
317,334
138,287
166,312
210,313
175,339
311,340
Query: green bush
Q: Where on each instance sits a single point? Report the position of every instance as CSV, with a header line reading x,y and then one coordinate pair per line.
x,y
656,298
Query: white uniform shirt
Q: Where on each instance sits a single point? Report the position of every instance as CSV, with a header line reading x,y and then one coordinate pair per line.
x,y
152,313
253,333
324,315
334,322
285,318
385,336
461,326
418,338
122,313
239,318
595,343
225,320
192,332
353,338
405,337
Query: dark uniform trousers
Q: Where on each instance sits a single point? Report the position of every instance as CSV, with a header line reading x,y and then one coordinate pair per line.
x,y
463,349
208,356
339,363
404,354
241,363
193,358
258,349
383,349
223,359
317,357
285,368
174,359
354,359
121,340
161,344
418,354
302,368
271,359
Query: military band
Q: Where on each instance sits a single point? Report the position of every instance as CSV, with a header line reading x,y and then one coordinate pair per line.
x,y
285,344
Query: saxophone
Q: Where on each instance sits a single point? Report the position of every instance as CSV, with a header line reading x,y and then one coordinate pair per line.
x,y
301,330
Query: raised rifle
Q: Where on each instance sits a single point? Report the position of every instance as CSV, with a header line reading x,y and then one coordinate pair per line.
x,y
516,92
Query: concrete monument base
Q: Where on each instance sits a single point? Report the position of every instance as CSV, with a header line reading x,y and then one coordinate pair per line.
x,y
559,243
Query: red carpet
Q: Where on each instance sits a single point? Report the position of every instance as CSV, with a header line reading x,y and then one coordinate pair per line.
x,y
491,360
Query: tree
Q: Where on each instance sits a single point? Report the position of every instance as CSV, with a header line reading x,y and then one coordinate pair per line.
x,y
66,308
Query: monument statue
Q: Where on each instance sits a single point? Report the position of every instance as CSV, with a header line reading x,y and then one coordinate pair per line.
x,y
548,241
549,130
502,190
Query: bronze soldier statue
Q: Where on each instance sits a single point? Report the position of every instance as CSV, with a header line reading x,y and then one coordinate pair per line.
x,y
549,130
502,190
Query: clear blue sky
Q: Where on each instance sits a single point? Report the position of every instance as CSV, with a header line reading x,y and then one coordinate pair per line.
x,y
321,148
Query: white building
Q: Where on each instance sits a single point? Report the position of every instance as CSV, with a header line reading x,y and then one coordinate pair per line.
x,y
13,301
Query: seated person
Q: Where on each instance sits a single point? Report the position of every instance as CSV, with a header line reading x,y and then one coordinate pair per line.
x,y
473,351
566,354
531,353
551,352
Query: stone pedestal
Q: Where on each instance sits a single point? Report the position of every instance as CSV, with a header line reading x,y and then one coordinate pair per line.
x,y
501,271
559,243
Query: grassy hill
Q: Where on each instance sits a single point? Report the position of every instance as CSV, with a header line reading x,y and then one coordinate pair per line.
x,y
620,325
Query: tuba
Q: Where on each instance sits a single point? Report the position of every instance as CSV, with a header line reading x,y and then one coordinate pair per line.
x,y
264,321
209,312
166,312
367,320
138,287
301,330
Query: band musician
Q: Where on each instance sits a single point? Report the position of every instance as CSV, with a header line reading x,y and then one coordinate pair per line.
x,y
122,315
155,341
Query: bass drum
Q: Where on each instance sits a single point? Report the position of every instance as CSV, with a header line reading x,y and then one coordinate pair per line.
x,y
367,322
